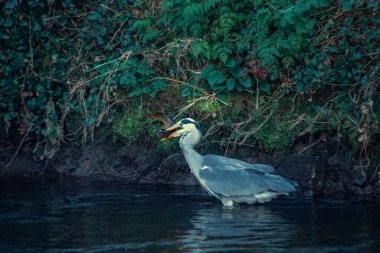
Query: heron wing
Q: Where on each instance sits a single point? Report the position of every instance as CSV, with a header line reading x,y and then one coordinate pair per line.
x,y
234,164
224,181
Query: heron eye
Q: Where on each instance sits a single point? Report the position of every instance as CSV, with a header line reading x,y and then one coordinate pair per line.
x,y
181,124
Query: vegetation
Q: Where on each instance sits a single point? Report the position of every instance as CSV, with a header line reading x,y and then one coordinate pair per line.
x,y
254,72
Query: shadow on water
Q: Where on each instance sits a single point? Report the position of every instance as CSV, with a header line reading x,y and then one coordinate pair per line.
x,y
84,216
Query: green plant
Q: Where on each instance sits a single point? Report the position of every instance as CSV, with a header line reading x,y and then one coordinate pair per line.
x,y
67,66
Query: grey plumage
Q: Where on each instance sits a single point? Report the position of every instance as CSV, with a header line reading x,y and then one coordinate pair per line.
x,y
229,180
242,182
234,164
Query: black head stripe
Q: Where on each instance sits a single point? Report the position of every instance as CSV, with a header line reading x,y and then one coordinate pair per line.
x,y
197,126
186,121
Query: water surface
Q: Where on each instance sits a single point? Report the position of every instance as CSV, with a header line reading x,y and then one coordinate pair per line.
x,y
75,215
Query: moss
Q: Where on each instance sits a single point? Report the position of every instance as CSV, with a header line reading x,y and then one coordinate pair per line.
x,y
130,126
206,106
276,135
138,126
287,121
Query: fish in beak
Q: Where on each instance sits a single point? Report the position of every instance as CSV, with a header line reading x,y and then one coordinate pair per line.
x,y
169,128
172,131
165,119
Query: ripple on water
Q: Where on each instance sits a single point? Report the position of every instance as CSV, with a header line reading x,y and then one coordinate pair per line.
x,y
81,216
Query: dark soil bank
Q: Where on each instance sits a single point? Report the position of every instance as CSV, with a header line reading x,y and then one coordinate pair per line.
x,y
315,172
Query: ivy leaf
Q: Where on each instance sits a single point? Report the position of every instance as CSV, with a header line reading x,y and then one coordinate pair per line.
x,y
206,71
228,121
94,16
299,87
99,40
223,57
197,93
10,4
185,92
216,77
246,82
346,4
348,22
239,88
265,87
158,85
236,71
230,84
230,63
90,121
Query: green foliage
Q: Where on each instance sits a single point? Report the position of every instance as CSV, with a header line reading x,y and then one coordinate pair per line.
x,y
137,78
64,60
54,64
228,78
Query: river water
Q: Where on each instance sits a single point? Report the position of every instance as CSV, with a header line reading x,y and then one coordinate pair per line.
x,y
77,215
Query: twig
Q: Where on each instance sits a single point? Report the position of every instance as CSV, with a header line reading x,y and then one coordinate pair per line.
x,y
18,149
257,94
310,146
118,30
108,8
30,43
124,56
192,86
375,172
248,134
92,79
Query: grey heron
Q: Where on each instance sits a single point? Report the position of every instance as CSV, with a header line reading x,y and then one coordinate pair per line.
x,y
229,180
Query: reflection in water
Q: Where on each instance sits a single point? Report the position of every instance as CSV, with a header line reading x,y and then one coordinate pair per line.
x,y
244,227
81,216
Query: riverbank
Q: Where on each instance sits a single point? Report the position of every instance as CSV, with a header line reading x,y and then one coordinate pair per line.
x,y
319,170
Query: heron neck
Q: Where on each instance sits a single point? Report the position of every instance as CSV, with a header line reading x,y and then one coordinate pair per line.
x,y
193,158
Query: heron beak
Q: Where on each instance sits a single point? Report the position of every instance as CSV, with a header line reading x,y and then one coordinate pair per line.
x,y
173,127
170,132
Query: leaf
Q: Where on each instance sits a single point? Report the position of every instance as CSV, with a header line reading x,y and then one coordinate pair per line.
x,y
234,135
185,92
94,16
230,84
246,82
216,77
265,87
223,57
230,63
197,93
99,40
348,22
10,4
200,49
236,71
221,96
239,88
299,87
346,4
90,121
158,85
206,71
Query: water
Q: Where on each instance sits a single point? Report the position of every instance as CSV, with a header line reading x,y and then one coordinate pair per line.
x,y
83,216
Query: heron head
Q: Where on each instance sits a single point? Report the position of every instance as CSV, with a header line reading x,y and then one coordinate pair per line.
x,y
186,128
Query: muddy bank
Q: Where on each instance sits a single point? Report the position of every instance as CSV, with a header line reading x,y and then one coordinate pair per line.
x,y
318,170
